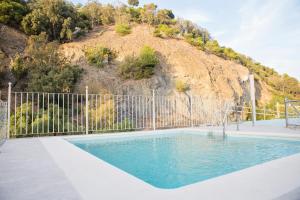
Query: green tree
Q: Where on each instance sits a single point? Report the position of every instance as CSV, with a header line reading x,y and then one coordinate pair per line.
x,y
133,2
165,16
148,13
108,15
12,12
57,18
93,10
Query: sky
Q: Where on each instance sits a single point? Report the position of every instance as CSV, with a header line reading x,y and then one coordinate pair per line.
x,y
266,30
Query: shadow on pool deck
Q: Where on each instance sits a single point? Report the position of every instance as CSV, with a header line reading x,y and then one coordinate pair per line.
x,y
27,172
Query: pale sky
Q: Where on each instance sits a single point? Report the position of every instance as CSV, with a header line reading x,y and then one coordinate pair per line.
x,y
266,30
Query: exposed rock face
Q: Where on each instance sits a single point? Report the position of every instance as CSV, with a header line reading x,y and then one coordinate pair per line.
x,y
207,74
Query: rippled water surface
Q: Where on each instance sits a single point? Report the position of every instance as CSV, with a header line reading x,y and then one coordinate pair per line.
x,y
175,160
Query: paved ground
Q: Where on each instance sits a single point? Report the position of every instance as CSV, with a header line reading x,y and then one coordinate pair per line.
x,y
27,172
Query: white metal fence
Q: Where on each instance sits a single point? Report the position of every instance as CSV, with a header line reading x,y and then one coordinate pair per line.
x,y
34,113
38,113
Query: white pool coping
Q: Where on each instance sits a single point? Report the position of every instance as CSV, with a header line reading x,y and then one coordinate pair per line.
x,y
96,179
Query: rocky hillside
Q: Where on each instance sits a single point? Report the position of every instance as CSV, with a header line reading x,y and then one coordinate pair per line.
x,y
206,74
11,43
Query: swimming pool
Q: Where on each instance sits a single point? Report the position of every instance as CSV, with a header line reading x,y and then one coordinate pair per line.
x,y
173,160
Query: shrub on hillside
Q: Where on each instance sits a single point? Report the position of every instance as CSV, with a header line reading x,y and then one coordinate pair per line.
x,y
17,67
45,68
148,57
123,29
139,67
197,42
99,56
213,47
164,30
181,86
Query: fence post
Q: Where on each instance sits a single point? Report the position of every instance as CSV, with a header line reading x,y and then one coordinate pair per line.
x,y
286,112
237,118
153,110
8,109
277,110
87,110
191,112
252,94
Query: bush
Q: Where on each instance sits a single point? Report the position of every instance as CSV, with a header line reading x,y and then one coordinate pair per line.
x,y
181,86
139,67
58,18
148,57
123,29
99,56
12,12
164,30
197,42
45,68
125,125
213,47
36,122
17,67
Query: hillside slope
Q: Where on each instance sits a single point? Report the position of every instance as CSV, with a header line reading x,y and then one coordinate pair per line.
x,y
207,74
11,42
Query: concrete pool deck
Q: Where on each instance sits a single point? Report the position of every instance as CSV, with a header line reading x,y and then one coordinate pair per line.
x,y
52,168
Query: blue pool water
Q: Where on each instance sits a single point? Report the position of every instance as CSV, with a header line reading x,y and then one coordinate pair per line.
x,y
179,159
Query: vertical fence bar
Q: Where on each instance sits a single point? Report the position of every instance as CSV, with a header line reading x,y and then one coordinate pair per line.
x,y
15,125
277,110
43,123
81,113
252,94
58,112
8,110
286,112
77,113
21,107
26,128
48,113
72,113
63,114
87,110
191,111
32,103
153,109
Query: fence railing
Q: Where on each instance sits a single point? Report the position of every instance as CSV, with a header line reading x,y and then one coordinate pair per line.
x,y
39,113
35,113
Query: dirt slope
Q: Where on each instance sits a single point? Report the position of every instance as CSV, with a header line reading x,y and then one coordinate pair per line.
x,y
206,74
